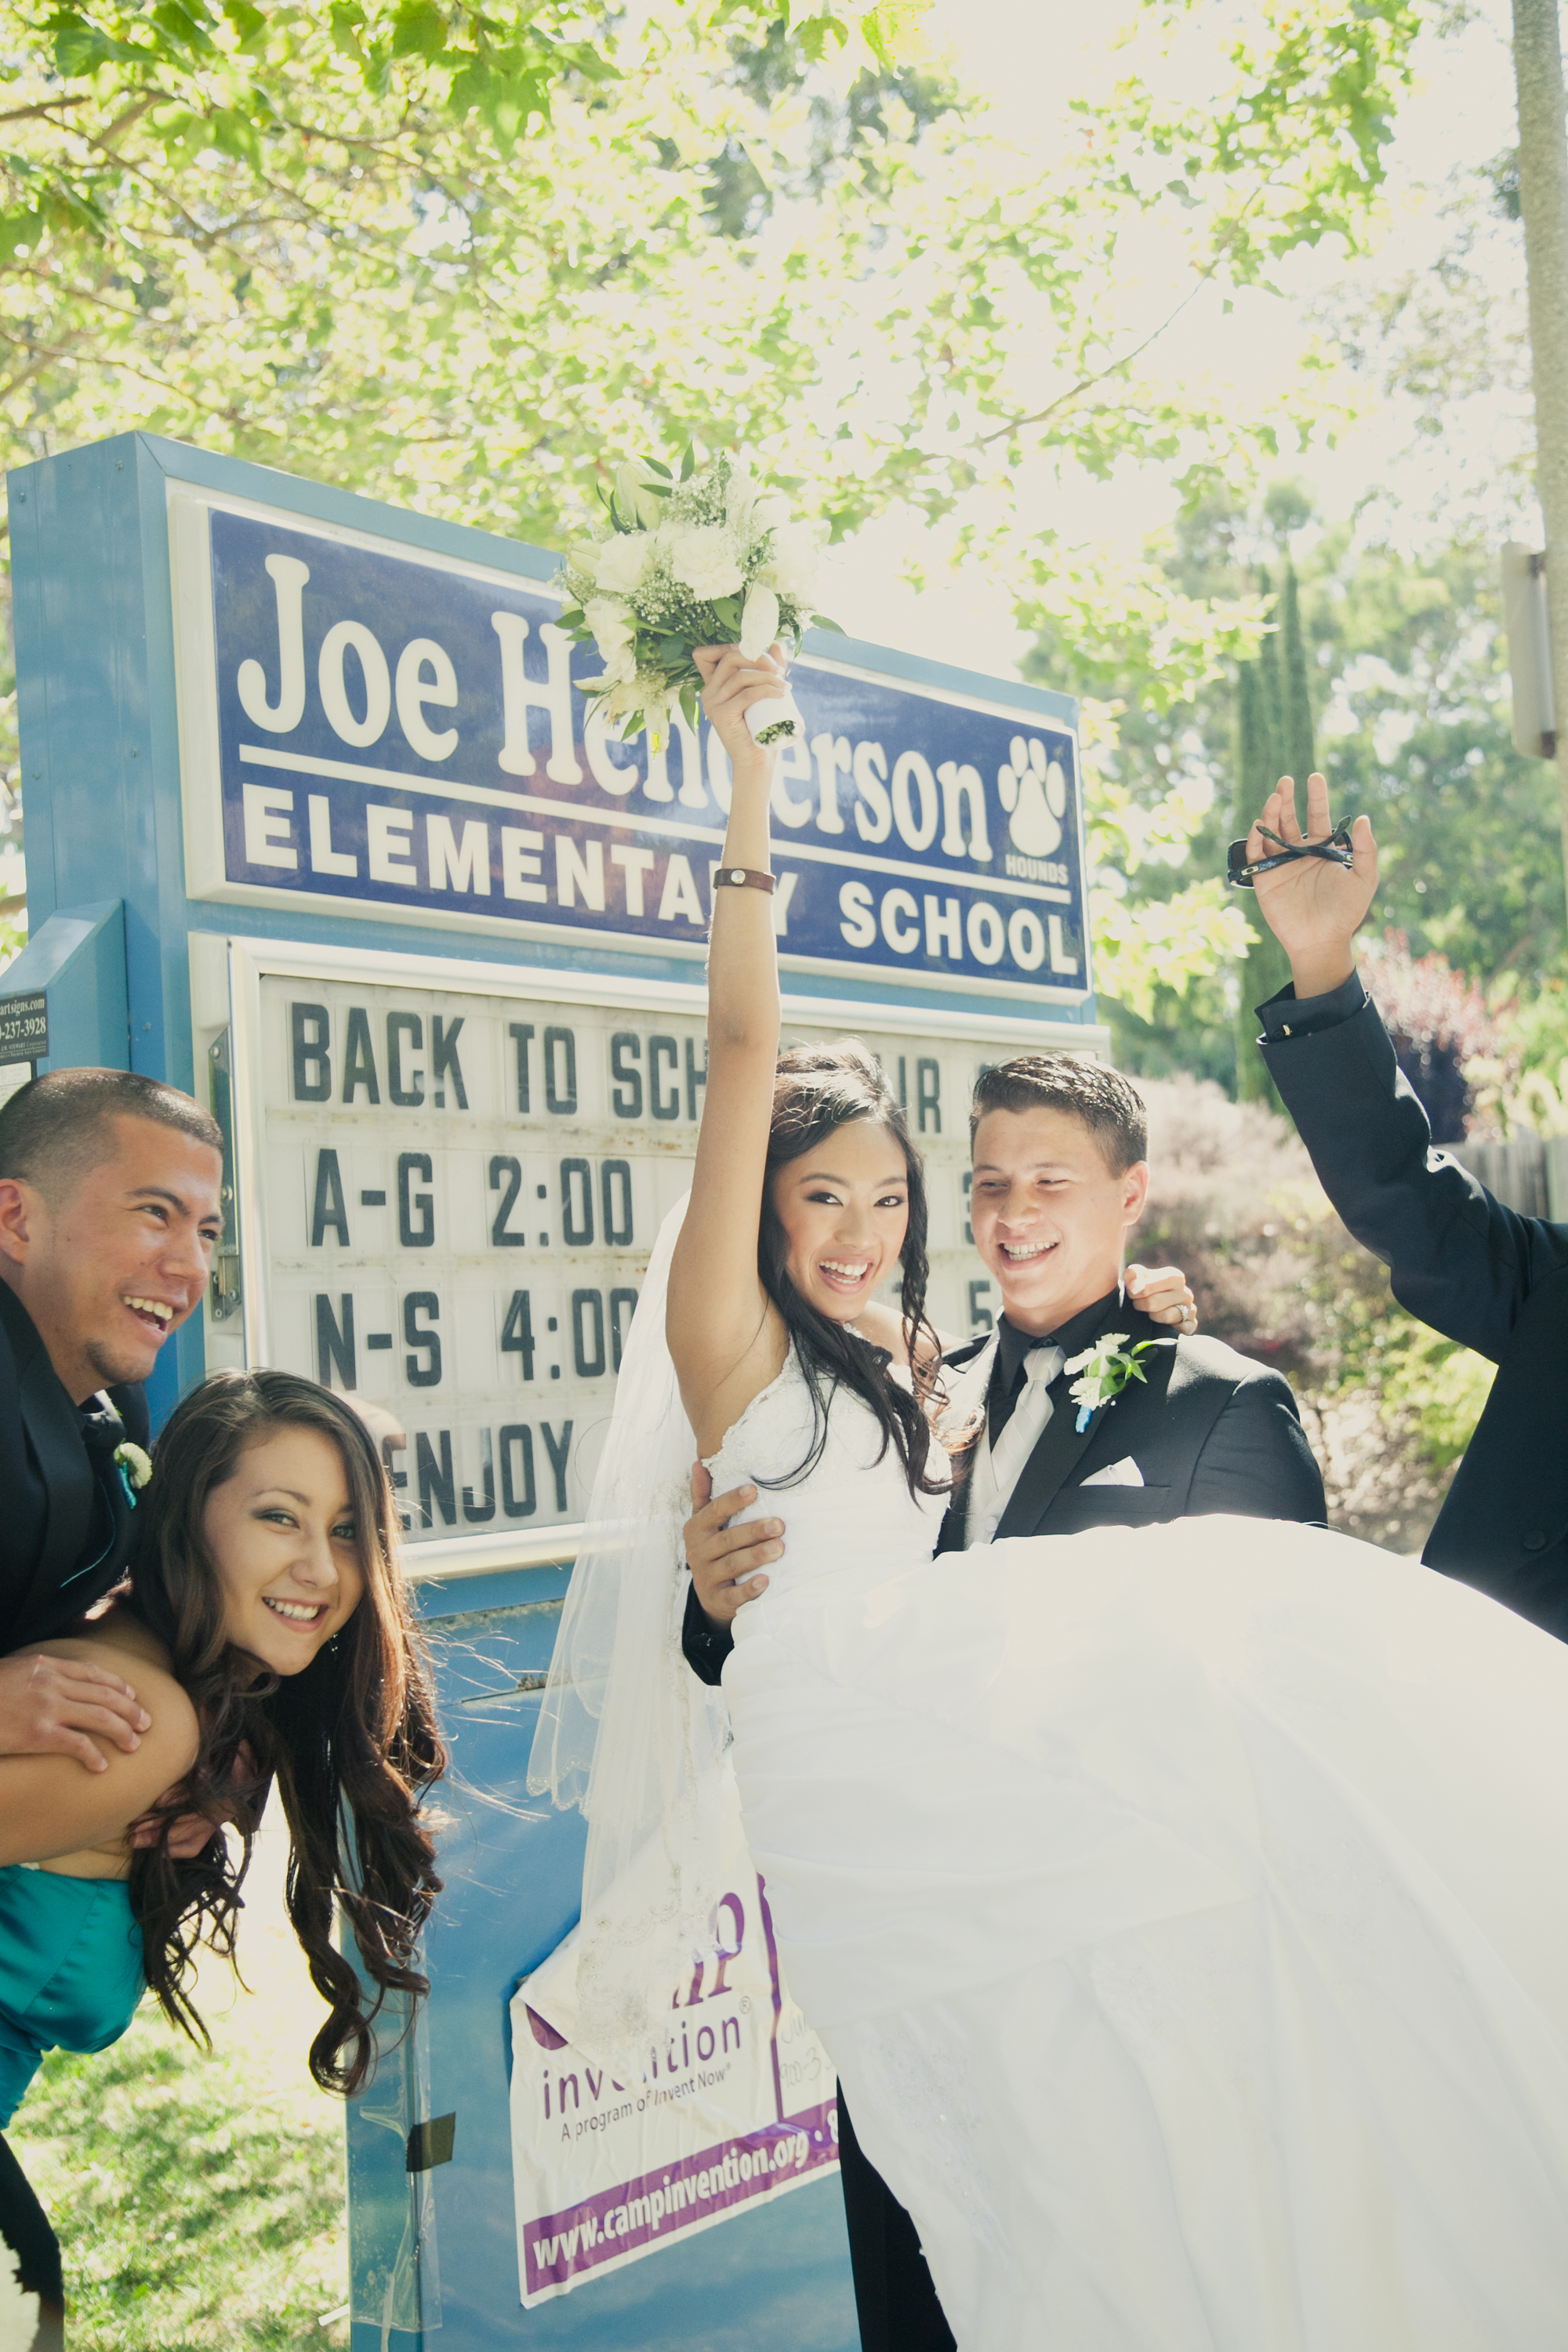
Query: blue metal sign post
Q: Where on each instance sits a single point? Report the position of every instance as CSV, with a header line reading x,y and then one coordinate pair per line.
x,y
319,826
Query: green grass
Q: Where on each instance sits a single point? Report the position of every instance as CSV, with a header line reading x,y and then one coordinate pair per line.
x,y
199,2200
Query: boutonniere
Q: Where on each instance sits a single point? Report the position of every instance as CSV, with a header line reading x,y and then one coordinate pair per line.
x,y
136,1467
1104,1372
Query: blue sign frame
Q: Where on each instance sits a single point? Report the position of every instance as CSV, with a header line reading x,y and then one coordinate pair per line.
x,y
390,736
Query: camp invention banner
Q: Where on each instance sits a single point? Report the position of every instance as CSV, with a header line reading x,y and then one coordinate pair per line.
x,y
736,2103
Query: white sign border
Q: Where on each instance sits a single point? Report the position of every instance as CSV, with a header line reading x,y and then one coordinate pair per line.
x,y
197,710
252,959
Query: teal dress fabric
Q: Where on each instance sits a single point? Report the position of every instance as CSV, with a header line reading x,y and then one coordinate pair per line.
x,y
71,1971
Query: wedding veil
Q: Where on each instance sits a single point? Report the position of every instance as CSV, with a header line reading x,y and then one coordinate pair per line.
x,y
626,1731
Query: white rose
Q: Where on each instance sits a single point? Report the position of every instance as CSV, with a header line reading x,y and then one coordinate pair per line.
x,y
771,511
611,624
621,667
704,561
623,561
759,620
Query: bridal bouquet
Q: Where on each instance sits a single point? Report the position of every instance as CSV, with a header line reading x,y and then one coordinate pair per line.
x,y
700,556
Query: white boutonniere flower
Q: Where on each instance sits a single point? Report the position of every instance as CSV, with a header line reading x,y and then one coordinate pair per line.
x,y
135,1466
1104,1372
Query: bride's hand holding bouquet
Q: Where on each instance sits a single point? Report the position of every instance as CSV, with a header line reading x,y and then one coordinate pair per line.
x,y
692,558
735,683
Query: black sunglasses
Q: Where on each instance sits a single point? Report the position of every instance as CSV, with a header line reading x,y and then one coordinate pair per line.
x,y
1239,874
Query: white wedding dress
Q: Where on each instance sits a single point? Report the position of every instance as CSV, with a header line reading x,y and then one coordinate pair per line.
x,y
1186,1909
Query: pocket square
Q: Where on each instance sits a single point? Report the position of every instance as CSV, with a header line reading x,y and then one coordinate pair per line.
x,y
1124,1473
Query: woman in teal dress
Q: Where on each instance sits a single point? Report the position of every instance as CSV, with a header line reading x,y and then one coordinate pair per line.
x,y
268,1634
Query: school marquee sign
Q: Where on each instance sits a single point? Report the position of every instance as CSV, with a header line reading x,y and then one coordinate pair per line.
x,y
373,731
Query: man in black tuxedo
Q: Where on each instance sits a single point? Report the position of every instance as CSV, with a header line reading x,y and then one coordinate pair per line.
x,y
110,1212
1060,1176
1460,1261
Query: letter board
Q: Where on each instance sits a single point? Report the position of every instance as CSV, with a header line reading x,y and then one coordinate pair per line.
x,y
451,1181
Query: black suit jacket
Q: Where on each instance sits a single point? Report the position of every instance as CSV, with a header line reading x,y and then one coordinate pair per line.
x,y
68,1527
1474,1270
1210,1431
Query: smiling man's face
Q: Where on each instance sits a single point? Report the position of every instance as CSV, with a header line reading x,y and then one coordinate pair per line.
x,y
1051,1217
109,1266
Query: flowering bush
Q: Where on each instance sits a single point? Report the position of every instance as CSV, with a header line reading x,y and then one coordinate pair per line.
x,y
701,557
1439,1024
1521,1086
1388,1405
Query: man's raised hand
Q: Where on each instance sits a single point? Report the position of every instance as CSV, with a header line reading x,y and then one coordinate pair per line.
x,y
64,1706
1313,907
718,1556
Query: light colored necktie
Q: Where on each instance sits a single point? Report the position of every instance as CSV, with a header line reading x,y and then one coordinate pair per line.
x,y
1029,1417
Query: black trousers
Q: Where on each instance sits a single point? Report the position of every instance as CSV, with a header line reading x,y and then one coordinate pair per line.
x,y
894,2298
24,2226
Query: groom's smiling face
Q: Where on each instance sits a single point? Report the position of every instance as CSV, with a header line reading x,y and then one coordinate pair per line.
x,y
1050,1215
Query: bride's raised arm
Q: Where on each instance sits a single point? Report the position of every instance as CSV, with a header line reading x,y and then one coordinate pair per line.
x,y
725,1336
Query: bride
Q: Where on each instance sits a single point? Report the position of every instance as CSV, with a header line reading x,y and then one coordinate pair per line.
x,y
1184,1909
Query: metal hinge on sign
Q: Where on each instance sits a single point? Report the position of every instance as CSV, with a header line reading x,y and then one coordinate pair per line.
x,y
225,1295
431,2142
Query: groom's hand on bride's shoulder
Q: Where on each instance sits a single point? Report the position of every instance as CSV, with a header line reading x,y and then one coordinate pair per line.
x,y
724,1560
1165,1295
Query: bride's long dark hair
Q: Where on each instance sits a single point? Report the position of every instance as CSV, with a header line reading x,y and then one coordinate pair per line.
x,y
351,1741
816,1089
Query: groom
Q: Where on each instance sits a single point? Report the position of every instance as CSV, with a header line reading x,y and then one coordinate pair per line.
x,y
110,1212
1060,1177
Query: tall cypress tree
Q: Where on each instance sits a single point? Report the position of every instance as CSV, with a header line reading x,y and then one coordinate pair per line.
x,y
1271,672
1295,741
1263,714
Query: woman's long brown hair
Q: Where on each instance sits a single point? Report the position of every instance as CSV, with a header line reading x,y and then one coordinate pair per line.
x,y
351,1741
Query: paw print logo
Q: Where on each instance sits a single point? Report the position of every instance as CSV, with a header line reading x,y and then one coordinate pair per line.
x,y
1035,794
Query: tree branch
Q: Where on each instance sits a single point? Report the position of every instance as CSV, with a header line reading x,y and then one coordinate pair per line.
x,y
1088,383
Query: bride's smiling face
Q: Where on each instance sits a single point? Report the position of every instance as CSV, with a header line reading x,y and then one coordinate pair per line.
x,y
281,1534
845,1209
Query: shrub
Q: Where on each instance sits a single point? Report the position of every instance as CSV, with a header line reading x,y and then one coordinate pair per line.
x,y
1522,1086
1439,1023
1387,1404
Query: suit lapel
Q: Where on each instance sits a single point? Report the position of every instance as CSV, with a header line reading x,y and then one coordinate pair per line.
x,y
1047,1469
111,1506
967,1378
1062,1446
54,1438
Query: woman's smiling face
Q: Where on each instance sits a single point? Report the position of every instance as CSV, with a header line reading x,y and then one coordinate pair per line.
x,y
282,1536
844,1208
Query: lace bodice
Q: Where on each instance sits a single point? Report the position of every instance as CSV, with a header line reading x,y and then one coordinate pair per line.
x,y
849,1508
